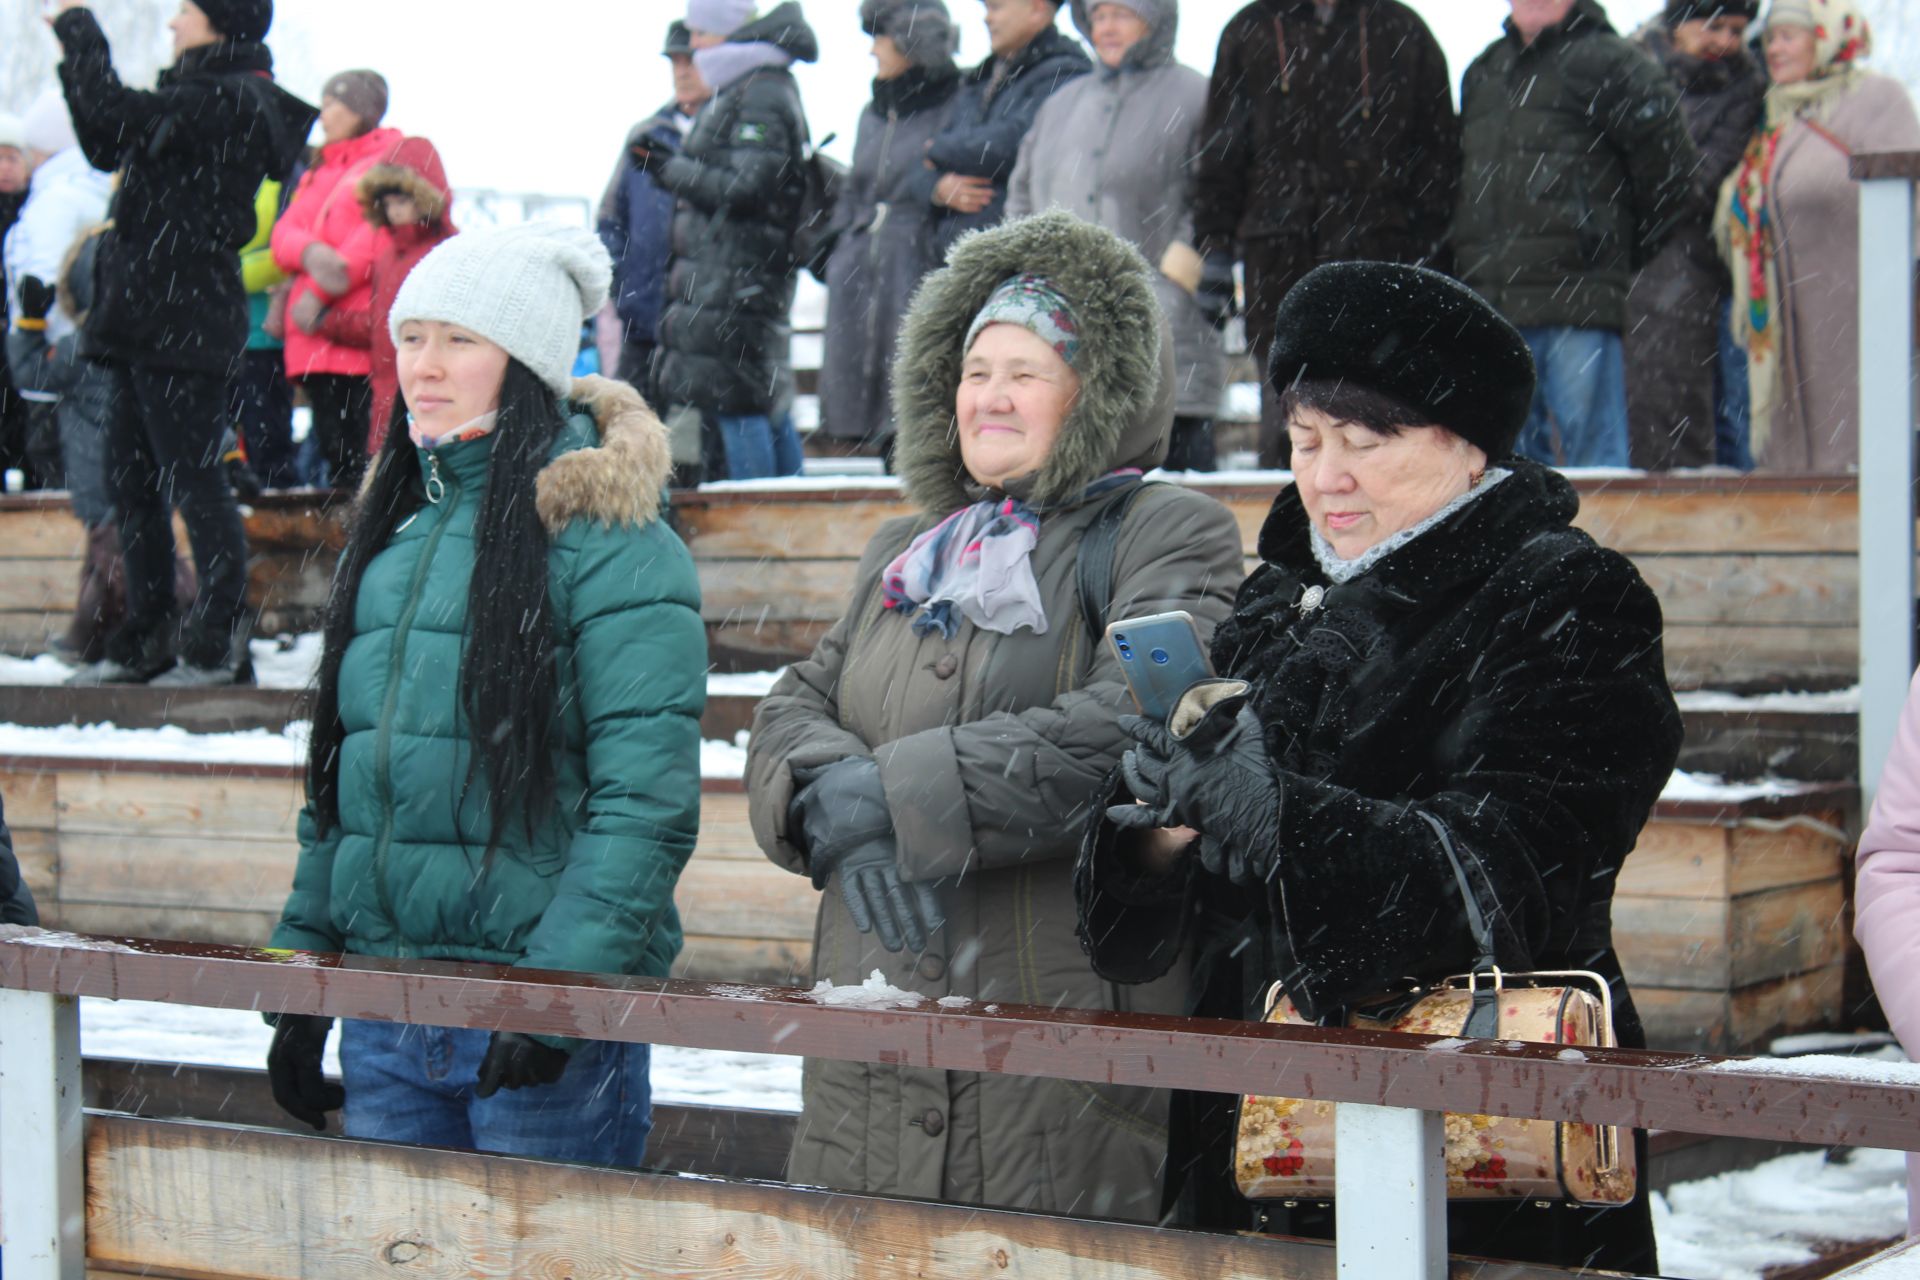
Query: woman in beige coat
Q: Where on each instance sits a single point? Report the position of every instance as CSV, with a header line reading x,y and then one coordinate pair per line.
x,y
1789,227
931,764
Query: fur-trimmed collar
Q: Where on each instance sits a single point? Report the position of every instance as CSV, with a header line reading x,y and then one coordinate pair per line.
x,y
1124,412
618,481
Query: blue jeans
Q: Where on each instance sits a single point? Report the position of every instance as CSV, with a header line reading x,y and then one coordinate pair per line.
x,y
759,446
1582,390
1732,399
415,1084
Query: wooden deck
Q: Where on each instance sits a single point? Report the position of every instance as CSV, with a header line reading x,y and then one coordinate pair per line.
x,y
1758,575
1730,919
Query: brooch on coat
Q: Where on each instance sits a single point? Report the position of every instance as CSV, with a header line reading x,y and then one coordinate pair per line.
x,y
1311,598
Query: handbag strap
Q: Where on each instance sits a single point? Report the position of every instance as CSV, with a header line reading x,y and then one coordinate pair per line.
x,y
1483,1020
1093,570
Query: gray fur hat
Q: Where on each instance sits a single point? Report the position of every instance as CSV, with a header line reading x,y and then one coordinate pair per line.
x,y
922,30
1124,412
526,288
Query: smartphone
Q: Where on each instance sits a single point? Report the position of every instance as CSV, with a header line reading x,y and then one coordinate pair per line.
x,y
1161,657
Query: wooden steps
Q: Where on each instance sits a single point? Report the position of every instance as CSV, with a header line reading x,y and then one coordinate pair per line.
x,y
1758,576
1729,918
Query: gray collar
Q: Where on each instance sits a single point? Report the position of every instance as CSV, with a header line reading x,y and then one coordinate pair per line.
x,y
1338,570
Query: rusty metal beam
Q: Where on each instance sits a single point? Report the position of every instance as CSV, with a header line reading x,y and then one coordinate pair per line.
x,y
1638,1088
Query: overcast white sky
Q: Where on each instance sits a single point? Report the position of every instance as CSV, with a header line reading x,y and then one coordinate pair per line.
x,y
538,97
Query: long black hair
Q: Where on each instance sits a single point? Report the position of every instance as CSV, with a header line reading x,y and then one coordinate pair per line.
x,y
508,684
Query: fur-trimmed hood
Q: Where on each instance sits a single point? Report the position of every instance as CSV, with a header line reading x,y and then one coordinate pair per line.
x,y
619,480
413,168
1125,408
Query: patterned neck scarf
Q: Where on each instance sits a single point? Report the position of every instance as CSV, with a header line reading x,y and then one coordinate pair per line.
x,y
978,561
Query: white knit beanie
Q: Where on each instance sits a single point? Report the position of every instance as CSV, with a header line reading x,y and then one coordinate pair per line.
x,y
47,126
526,288
719,17
13,132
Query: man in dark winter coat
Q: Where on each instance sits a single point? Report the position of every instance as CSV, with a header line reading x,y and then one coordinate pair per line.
x,y
16,900
1674,308
1576,169
636,215
171,316
970,161
1330,135
740,181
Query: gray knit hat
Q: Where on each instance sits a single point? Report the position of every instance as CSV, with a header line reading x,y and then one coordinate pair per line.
x,y
922,30
526,288
719,17
13,132
362,92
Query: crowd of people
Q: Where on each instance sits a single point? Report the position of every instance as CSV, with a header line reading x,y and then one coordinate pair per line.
x,y
1032,265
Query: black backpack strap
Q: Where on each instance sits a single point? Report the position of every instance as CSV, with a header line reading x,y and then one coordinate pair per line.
x,y
1093,572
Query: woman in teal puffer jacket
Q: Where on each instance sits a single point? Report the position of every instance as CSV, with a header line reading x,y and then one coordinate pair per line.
x,y
505,755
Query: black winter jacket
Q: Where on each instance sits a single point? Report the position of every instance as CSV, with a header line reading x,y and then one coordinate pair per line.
x,y
1576,168
1501,675
16,900
990,118
1721,104
192,154
739,181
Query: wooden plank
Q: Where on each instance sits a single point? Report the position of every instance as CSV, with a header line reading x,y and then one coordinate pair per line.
x,y
754,591
724,829
1709,656
770,962
202,872
1741,1021
1673,942
1721,944
49,533
779,530
38,853
51,585
149,804
1778,933
1762,859
222,1200
186,924
1754,590
737,898
31,797
27,631
1809,520
1676,860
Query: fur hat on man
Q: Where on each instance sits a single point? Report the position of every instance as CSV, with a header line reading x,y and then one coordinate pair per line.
x,y
362,92
1679,11
719,17
1414,334
526,288
246,20
47,127
922,30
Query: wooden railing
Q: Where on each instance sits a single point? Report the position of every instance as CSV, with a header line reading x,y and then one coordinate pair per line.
x,y
1393,1088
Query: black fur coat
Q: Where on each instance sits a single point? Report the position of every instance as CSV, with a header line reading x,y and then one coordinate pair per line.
x,y
1501,674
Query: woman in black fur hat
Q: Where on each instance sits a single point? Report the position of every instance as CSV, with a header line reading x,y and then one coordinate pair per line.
x,y
1429,656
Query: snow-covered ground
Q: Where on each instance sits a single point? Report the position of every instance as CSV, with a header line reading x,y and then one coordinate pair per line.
x,y
1731,1227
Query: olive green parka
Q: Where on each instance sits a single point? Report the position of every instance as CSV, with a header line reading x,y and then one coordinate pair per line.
x,y
991,747
404,872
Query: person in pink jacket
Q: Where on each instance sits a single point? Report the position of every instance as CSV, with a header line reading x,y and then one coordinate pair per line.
x,y
1886,902
312,243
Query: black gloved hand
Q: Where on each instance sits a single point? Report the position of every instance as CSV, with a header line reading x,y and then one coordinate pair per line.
x,y
1209,771
515,1061
650,155
841,818
293,1068
1215,295
36,298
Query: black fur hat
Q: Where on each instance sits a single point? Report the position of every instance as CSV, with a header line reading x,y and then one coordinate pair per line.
x,y
1419,336
1679,11
247,20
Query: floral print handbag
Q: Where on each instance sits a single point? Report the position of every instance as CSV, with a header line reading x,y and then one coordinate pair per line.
x,y
1283,1147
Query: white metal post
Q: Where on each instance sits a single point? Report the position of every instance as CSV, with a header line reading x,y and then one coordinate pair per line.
x,y
1390,1193
42,1187
1886,468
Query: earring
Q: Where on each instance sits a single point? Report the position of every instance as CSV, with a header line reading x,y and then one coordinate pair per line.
x,y
1474,478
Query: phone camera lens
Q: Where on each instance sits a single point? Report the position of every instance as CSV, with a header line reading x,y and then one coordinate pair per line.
x,y
1159,656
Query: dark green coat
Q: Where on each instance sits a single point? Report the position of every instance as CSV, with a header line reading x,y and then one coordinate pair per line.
x,y
1576,168
402,874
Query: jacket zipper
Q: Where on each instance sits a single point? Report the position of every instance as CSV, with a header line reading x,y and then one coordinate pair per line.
x,y
383,745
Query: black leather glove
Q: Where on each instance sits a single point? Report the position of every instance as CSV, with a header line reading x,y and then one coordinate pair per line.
x,y
516,1061
1215,294
650,155
36,298
841,817
1207,768
293,1069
